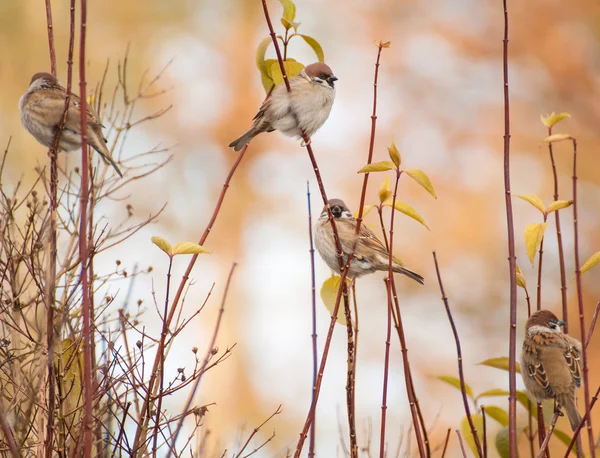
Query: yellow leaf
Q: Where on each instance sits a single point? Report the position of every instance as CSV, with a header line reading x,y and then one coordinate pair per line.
x,y
591,262
521,279
498,414
455,382
382,44
263,65
407,210
366,210
534,233
559,205
468,434
329,291
552,118
394,154
421,177
162,244
385,192
289,11
500,363
188,248
292,68
557,138
382,166
316,47
533,200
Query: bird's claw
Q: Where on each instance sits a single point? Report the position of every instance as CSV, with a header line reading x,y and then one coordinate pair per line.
x,y
303,144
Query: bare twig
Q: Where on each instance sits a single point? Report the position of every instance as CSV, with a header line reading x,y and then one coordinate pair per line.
x,y
484,432
313,295
544,445
461,375
386,370
592,324
583,330
581,423
512,260
446,442
255,430
462,446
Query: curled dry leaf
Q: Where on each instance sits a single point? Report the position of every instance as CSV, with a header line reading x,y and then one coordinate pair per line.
x,y
421,177
533,200
520,278
382,166
162,244
385,191
407,210
550,119
534,233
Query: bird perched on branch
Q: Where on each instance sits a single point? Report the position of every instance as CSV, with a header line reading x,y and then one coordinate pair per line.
x,y
370,254
551,363
42,109
304,109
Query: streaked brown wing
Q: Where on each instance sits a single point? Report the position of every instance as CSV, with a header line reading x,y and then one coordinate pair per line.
x,y
261,111
573,359
535,369
368,238
92,117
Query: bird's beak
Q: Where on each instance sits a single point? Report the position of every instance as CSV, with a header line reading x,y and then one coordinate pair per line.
x,y
561,323
331,80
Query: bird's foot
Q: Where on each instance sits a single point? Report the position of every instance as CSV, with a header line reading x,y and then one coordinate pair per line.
x,y
303,143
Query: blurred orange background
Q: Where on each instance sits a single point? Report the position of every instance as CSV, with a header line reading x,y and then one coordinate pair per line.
x,y
440,99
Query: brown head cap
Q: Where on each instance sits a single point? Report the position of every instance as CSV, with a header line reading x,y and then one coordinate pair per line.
x,y
45,76
543,318
318,69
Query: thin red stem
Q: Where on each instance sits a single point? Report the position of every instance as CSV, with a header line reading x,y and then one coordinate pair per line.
x,y
539,278
313,296
582,328
461,375
581,423
512,260
386,370
544,445
51,37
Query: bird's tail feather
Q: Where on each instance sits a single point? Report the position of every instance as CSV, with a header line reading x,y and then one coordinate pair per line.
x,y
409,273
571,409
243,140
109,160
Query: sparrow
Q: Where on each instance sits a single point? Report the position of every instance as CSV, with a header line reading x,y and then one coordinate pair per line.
x,y
42,108
370,254
551,363
304,109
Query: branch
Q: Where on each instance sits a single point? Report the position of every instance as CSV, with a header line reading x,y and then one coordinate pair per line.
x,y
313,294
544,445
581,423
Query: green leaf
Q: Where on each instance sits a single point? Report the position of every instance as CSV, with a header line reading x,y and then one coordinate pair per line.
x,y
329,291
382,166
498,414
407,210
289,13
527,403
394,154
552,118
559,205
292,68
162,244
502,442
591,262
467,433
316,47
264,66
499,363
533,200
456,384
188,248
534,234
421,177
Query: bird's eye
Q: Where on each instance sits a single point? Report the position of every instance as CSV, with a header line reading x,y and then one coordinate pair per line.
x,y
323,76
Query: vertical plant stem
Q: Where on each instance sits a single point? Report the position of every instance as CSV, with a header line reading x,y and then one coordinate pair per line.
x,y
386,368
161,349
582,328
485,453
461,374
544,445
530,429
407,373
313,296
51,37
462,446
561,254
541,427
83,248
512,260
539,277
446,442
581,423
9,437
592,324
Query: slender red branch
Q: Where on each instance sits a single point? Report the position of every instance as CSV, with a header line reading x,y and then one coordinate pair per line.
x,y
539,278
544,445
593,324
83,248
541,427
561,254
582,328
209,352
257,429
386,370
483,416
462,446
581,423
530,437
512,260
9,437
313,296
461,375
51,38
446,442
